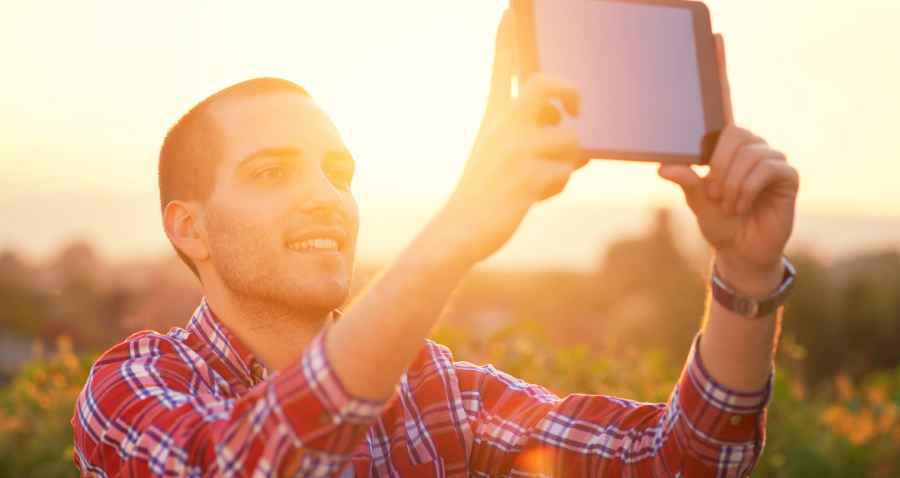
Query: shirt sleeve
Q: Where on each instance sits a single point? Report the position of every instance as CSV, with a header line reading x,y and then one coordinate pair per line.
x,y
703,430
153,408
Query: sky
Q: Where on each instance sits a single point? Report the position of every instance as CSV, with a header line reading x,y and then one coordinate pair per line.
x,y
88,90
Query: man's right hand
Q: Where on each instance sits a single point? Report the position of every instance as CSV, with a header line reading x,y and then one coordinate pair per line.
x,y
517,159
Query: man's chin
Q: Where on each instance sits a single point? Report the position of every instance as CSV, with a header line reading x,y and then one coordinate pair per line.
x,y
322,291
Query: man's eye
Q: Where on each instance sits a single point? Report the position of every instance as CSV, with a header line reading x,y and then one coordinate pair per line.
x,y
339,176
272,173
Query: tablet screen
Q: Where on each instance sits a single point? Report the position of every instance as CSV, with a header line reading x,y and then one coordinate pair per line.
x,y
636,65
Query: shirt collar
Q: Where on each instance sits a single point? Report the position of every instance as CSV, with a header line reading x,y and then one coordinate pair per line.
x,y
226,347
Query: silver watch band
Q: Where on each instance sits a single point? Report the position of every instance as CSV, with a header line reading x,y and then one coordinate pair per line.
x,y
748,306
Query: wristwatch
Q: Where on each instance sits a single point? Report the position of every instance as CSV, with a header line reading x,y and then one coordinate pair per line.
x,y
748,306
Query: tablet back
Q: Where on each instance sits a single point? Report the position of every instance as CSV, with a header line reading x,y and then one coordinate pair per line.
x,y
637,66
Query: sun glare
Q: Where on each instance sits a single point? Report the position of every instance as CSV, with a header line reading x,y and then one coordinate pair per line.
x,y
90,90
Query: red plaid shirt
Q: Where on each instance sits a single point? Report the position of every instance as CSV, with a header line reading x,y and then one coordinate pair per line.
x,y
197,403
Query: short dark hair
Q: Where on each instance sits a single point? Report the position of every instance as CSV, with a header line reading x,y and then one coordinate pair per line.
x,y
193,147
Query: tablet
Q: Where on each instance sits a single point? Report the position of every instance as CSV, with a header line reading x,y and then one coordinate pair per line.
x,y
646,69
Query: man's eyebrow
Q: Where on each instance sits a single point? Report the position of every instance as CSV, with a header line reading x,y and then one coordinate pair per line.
x,y
341,155
271,152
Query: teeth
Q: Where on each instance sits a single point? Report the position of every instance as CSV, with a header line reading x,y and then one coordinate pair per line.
x,y
316,243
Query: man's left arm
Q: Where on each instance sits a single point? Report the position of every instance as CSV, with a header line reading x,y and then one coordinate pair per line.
x,y
745,209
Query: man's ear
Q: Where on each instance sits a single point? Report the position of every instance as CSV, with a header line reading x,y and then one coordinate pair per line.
x,y
180,223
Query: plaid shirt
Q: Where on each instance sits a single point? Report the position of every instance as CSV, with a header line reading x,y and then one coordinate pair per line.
x,y
197,403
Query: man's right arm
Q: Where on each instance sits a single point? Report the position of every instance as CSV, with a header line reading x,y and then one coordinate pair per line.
x,y
517,160
152,407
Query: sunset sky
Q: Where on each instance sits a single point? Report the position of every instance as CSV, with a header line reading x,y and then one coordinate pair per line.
x,y
88,90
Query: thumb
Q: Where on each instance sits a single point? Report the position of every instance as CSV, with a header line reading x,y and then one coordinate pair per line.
x,y
690,183
501,76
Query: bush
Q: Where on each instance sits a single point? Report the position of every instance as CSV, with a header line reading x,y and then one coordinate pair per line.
x,y
837,430
36,436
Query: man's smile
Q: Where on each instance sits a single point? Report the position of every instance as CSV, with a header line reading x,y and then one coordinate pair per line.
x,y
327,241
318,243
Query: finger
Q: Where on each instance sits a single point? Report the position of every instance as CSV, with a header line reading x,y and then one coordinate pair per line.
x,y
499,94
725,86
689,181
744,161
730,141
540,88
552,177
558,144
768,174
549,115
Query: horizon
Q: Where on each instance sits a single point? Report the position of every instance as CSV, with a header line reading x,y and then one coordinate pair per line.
x,y
545,241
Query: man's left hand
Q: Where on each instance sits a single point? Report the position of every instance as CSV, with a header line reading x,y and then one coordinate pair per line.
x,y
745,205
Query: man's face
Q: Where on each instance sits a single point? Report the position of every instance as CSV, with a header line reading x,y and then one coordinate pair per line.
x,y
281,222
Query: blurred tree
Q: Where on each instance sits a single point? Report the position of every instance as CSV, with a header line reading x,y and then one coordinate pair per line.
x,y
847,316
21,308
649,293
811,317
870,313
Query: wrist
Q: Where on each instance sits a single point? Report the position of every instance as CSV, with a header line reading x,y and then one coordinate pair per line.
x,y
752,280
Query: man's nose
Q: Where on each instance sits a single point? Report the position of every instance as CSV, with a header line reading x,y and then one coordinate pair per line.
x,y
316,195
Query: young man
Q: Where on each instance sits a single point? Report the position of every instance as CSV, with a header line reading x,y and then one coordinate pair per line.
x,y
265,381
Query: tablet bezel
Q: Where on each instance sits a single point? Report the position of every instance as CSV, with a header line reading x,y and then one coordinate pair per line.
x,y
713,114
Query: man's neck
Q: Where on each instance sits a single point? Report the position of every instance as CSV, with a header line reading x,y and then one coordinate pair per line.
x,y
274,334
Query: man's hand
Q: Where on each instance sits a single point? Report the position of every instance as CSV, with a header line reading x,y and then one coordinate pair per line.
x,y
517,159
745,205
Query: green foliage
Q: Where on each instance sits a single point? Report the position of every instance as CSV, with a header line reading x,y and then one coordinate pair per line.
x,y
525,352
36,437
838,430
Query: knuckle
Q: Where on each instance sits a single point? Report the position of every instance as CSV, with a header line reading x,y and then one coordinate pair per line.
x,y
778,154
753,138
745,134
787,171
730,131
771,165
748,152
794,174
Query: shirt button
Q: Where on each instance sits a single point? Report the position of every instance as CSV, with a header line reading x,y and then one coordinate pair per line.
x,y
736,420
324,418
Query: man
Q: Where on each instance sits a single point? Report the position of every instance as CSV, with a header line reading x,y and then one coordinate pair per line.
x,y
267,380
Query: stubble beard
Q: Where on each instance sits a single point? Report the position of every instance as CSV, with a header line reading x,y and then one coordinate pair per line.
x,y
259,280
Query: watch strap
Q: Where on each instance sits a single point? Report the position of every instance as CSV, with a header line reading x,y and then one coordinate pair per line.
x,y
749,306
